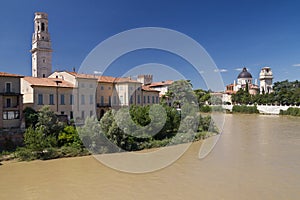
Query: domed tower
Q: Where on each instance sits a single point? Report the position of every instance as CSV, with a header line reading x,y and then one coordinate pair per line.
x,y
266,80
244,77
41,47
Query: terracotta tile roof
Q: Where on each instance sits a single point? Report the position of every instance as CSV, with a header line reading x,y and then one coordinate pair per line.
x,y
254,86
10,75
106,79
48,82
147,88
77,75
230,85
230,92
110,79
161,83
126,80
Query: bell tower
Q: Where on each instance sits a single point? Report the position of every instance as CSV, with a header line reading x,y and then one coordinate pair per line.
x,y
266,80
41,47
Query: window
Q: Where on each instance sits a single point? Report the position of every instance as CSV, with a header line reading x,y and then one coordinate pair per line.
x,y
8,87
44,75
109,100
156,99
62,112
62,99
139,99
91,113
91,99
102,100
102,87
109,88
40,99
82,99
43,27
51,99
71,115
82,85
148,99
144,99
82,114
131,100
71,99
9,115
121,100
152,99
115,100
8,102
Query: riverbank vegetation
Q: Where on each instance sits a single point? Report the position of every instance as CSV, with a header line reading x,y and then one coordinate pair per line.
x,y
128,129
291,111
150,127
244,109
46,137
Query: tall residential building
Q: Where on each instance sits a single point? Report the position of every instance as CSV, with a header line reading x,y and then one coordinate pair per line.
x,y
41,47
11,104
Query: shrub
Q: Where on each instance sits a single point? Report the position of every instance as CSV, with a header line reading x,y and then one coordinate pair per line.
x,y
291,111
205,109
25,154
244,109
69,137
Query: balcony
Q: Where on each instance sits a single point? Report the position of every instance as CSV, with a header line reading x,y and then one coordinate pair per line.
x,y
13,107
103,105
5,92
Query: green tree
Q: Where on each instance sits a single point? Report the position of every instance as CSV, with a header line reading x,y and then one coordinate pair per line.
x,y
31,117
49,121
36,140
181,92
69,137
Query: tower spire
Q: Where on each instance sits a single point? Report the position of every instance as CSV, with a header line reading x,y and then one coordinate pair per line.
x,y
41,47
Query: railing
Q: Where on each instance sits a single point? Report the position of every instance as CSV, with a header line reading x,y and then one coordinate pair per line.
x,y
14,107
9,92
103,104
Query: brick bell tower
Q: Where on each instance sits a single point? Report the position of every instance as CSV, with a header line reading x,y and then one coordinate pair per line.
x,y
41,47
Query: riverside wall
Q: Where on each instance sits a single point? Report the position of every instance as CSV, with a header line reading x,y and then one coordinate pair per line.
x,y
265,109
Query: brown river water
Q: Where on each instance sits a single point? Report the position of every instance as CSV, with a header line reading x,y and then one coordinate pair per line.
x,y
257,157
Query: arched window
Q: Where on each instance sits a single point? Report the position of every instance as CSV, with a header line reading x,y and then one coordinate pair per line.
x,y
43,26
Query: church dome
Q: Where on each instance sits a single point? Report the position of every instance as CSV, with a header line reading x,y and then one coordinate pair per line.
x,y
244,74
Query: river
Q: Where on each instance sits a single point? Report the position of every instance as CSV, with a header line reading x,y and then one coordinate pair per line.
x,y
257,157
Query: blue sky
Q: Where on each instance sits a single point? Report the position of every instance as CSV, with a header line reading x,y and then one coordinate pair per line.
x,y
234,33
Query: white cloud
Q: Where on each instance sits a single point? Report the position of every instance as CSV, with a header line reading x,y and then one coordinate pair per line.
x,y
238,69
220,70
296,65
97,72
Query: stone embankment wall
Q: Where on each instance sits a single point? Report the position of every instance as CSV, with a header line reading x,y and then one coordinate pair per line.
x,y
265,109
